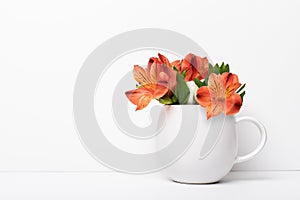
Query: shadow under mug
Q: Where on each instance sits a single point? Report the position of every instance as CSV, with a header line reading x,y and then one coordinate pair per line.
x,y
214,148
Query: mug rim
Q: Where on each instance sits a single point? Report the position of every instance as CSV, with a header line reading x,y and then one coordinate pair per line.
x,y
179,105
198,106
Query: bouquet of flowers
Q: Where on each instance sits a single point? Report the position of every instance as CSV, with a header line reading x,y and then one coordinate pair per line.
x,y
192,80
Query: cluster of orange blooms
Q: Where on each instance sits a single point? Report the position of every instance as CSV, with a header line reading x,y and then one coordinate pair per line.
x,y
218,90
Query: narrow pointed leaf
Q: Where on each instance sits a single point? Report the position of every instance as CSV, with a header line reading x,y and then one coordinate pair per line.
x,y
242,95
199,83
241,88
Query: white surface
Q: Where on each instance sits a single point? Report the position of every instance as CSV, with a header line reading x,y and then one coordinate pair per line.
x,y
43,45
90,186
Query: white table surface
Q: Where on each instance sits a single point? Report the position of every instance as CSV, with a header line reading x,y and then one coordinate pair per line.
x,y
112,185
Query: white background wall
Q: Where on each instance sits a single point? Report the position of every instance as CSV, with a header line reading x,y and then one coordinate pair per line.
x,y
43,45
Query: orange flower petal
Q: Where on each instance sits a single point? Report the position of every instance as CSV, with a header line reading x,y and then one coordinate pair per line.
x,y
195,74
189,57
189,75
151,61
164,60
163,75
176,64
203,96
153,72
160,91
140,97
186,66
231,83
216,87
140,75
171,78
233,104
219,96
143,102
163,79
201,64
198,65
214,106
214,110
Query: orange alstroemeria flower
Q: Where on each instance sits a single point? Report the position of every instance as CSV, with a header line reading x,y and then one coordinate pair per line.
x,y
155,81
194,66
162,64
220,96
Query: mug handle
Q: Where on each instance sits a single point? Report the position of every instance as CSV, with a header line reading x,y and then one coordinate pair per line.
x,y
263,139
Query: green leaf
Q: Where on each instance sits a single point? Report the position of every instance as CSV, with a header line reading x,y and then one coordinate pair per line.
x,y
222,65
206,79
165,100
216,69
226,68
184,73
182,92
212,69
174,99
175,68
242,95
223,68
199,83
216,66
241,88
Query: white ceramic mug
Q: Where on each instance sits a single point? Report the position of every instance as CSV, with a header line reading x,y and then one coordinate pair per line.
x,y
214,149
